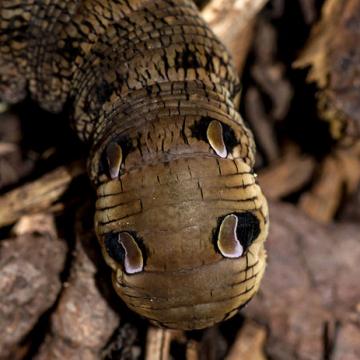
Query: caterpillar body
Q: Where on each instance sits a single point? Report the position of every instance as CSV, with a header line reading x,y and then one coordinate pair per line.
x,y
179,216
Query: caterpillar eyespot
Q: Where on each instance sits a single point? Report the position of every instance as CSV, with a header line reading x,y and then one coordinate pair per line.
x,y
228,242
215,137
124,249
179,215
220,136
114,159
236,233
113,156
114,248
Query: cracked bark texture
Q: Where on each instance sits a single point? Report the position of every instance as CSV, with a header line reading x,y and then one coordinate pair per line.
x,y
30,267
82,321
333,56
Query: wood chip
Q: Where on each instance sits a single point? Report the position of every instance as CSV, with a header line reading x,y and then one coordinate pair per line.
x,y
232,20
323,200
158,344
38,195
83,320
309,284
268,72
334,59
192,350
347,345
287,175
30,267
39,223
339,175
249,343
261,124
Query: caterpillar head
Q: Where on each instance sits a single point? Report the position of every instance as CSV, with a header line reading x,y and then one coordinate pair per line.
x,y
184,234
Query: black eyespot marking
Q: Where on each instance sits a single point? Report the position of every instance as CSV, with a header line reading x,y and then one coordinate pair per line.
x,y
114,159
235,233
114,248
199,130
248,228
124,248
229,138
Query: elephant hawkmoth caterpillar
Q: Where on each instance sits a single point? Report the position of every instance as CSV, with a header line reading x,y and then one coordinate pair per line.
x,y
180,217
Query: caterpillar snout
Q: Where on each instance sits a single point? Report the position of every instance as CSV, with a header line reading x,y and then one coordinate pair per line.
x,y
151,91
184,238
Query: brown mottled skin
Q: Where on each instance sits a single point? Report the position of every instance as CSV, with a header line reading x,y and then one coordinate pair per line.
x,y
148,78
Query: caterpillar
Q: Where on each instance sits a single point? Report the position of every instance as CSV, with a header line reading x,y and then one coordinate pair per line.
x,y
150,90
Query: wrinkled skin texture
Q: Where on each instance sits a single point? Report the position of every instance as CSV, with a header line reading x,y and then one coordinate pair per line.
x,y
151,91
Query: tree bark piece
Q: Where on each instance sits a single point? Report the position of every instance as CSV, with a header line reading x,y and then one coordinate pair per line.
x,y
30,265
38,195
83,320
249,343
269,72
286,175
347,344
322,201
333,55
309,283
261,124
192,350
233,22
270,83
158,342
339,175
